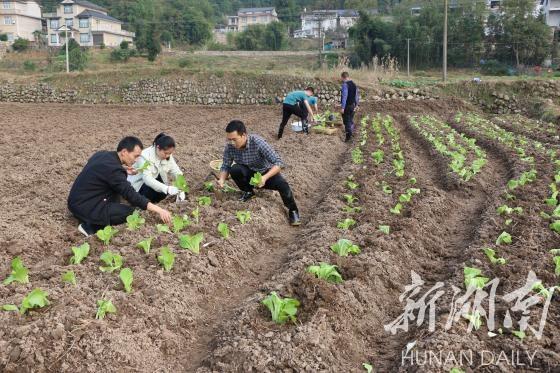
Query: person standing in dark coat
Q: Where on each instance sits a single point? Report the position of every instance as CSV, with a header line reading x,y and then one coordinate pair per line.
x,y
94,198
350,99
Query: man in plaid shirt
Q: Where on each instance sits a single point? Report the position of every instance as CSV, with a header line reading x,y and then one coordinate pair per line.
x,y
253,154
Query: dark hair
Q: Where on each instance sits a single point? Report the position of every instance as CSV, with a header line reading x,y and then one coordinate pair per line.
x,y
164,141
236,125
310,89
345,75
129,143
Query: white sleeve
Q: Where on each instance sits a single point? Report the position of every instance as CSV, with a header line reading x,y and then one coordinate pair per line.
x,y
175,170
149,178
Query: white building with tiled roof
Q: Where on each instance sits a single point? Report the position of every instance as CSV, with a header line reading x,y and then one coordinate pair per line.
x,y
19,19
89,23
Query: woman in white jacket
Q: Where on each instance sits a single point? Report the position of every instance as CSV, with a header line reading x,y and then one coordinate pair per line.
x,y
154,182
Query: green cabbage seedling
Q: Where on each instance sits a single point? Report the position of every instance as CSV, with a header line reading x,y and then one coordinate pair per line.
x,y
378,156
191,243
555,226
327,272
166,258
223,230
357,156
351,209
144,167
352,185
204,201
368,367
209,186
491,254
539,288
256,180
163,228
180,223
350,199
456,370
106,234
104,307
386,188
556,260
126,277
37,298
181,184
69,277
19,273
519,334
474,319
346,224
10,307
385,229
112,260
243,216
503,238
472,278
145,244
397,209
80,253
281,309
344,247
135,221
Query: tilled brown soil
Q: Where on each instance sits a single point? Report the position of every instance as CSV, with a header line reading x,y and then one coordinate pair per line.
x,y
205,315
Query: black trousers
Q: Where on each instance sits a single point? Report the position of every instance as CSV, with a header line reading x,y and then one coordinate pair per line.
x,y
298,110
151,194
242,175
116,214
348,119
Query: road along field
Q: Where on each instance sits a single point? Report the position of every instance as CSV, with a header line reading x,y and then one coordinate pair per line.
x,y
430,187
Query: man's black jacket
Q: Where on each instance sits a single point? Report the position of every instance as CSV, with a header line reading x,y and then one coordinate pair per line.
x,y
100,183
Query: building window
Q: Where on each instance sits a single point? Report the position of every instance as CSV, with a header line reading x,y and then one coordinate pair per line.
x,y
10,36
84,38
254,19
54,39
7,5
67,9
8,20
54,24
84,22
69,22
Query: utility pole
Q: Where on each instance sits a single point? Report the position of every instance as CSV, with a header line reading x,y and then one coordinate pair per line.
x,y
445,42
408,57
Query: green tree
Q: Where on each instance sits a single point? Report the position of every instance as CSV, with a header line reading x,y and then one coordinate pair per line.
x,y
20,45
275,37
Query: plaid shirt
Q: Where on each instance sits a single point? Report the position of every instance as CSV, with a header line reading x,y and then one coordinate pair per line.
x,y
258,155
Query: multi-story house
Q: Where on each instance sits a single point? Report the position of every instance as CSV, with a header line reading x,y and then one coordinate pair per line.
x,y
316,22
551,9
88,23
19,19
251,16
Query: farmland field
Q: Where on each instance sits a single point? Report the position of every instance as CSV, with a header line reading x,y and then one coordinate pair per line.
x,y
432,187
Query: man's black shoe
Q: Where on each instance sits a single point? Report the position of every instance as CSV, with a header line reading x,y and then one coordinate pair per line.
x,y
294,218
246,196
348,137
305,127
86,229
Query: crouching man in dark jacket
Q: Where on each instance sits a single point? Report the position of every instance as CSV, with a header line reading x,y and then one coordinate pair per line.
x,y
95,196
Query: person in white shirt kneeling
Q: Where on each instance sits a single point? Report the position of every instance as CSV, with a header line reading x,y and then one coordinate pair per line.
x,y
154,182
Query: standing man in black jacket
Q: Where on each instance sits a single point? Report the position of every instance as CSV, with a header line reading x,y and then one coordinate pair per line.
x,y
95,195
350,99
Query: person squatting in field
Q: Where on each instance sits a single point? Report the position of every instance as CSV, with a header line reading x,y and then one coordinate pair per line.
x,y
349,101
94,198
154,182
253,154
297,103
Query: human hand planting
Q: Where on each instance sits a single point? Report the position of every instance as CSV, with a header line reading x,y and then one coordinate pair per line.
x,y
172,191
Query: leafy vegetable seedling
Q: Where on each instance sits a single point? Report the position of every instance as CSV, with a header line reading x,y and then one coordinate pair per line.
x,y
113,261
223,230
350,199
69,277
144,167
209,186
256,180
474,319
180,223
191,243
503,238
243,216
344,247
204,201
491,254
19,273
135,221
37,298
378,156
196,214
352,185
385,229
397,209
163,228
473,278
368,367
555,226
346,224
181,184
10,307
281,309
519,334
103,308
166,258
126,277
556,260
145,244
327,272
80,253
106,234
